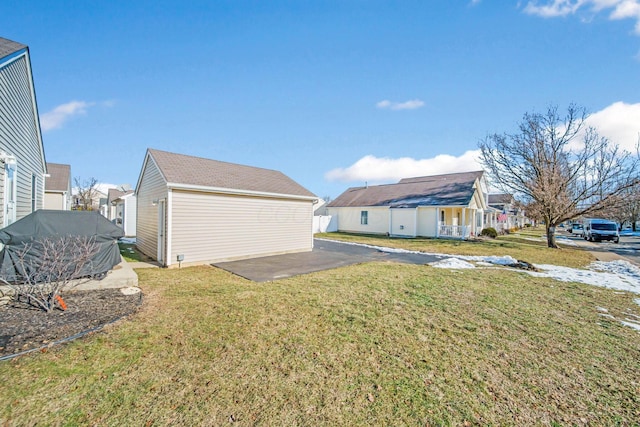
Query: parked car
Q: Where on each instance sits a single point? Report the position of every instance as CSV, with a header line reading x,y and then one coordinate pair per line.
x,y
601,229
576,229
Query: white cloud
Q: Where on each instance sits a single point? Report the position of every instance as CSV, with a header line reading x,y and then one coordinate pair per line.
x,y
407,105
375,169
620,9
55,118
619,122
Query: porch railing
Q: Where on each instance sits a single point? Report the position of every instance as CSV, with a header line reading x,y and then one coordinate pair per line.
x,y
454,231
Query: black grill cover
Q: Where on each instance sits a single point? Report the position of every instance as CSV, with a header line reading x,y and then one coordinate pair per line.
x,y
50,223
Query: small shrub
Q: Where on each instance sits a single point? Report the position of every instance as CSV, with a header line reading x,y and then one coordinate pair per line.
x,y
489,232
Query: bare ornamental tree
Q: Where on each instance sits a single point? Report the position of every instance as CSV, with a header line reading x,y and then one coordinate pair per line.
x,y
559,166
87,191
45,267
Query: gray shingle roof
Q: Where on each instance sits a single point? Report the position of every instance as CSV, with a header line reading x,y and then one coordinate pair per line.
x,y
197,171
500,199
59,178
437,190
7,47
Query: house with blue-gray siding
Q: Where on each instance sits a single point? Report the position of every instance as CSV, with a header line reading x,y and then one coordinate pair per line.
x,y
22,161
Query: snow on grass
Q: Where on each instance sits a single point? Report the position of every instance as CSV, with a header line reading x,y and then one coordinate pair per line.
x,y
452,263
128,240
633,325
619,275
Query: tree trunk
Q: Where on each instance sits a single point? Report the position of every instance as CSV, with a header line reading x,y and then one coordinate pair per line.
x,y
551,236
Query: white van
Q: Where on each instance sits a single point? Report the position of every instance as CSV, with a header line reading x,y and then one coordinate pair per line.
x,y
600,229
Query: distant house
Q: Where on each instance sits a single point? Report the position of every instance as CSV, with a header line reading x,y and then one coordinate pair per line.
x,y
22,161
504,213
449,205
95,201
125,212
57,189
110,206
192,210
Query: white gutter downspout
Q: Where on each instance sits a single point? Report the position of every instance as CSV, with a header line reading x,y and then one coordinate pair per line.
x,y
169,233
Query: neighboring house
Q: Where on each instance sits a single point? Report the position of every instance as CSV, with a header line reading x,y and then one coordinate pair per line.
x,y
449,205
504,213
109,206
125,212
194,210
22,161
98,200
57,188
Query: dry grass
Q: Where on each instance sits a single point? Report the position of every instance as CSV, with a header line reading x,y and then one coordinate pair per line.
x,y
372,344
525,245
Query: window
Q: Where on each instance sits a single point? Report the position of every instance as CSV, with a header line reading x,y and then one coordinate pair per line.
x,y
441,216
364,217
33,192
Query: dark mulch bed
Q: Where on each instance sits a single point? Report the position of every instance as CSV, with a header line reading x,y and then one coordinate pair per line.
x,y
23,327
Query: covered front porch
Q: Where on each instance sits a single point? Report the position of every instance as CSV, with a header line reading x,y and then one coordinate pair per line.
x,y
459,222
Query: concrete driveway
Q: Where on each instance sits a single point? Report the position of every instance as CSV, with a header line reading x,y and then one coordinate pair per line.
x,y
325,255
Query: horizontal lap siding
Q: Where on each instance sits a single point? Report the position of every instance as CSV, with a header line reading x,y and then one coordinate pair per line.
x,y
54,201
152,187
349,219
427,222
211,227
19,135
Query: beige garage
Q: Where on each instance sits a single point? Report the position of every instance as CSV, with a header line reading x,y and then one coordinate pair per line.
x,y
193,210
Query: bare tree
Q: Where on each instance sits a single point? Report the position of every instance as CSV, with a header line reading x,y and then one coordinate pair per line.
x,y
62,262
86,190
629,208
559,166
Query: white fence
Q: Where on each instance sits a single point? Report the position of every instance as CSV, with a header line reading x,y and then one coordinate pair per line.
x,y
324,224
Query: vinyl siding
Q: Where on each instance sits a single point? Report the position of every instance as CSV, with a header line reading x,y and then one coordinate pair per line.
x,y
349,219
208,227
151,187
403,222
427,222
19,134
54,201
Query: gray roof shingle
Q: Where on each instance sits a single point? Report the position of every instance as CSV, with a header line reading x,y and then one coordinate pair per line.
x,y
500,199
7,47
198,171
59,178
437,190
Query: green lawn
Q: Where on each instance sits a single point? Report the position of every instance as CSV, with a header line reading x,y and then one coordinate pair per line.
x,y
371,344
130,253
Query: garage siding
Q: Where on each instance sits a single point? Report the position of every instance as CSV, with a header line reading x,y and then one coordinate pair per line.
x,y
427,222
210,227
151,187
349,219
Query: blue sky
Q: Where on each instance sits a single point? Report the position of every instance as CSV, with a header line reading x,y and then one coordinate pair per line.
x,y
332,93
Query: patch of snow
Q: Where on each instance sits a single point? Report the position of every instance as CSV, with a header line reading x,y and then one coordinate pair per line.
x,y
602,309
637,301
128,240
617,267
131,290
633,325
620,275
484,264
453,263
606,315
